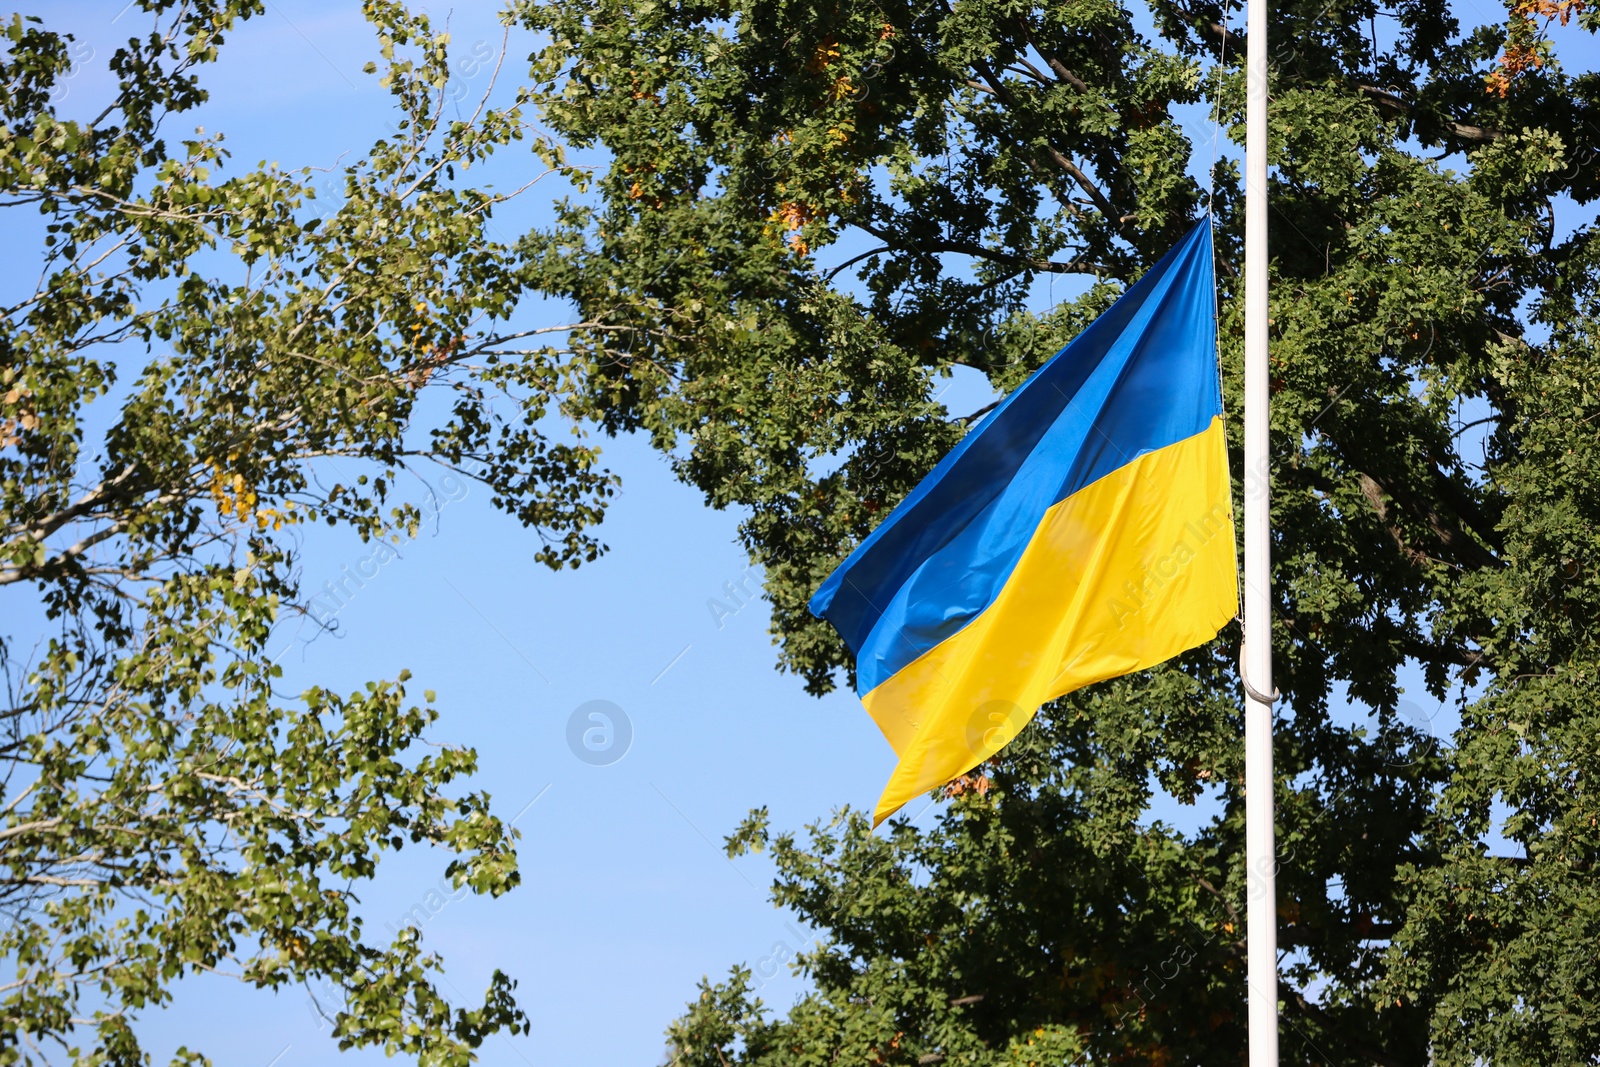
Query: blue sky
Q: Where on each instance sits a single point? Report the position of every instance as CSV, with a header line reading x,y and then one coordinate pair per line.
x,y
627,899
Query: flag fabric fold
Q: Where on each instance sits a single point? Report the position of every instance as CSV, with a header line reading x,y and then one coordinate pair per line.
x,y
1083,530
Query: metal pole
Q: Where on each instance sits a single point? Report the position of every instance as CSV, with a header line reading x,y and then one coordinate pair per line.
x,y
1261,912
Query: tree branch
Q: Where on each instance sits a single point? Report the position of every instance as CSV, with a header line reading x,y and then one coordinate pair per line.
x,y
1101,201
1399,105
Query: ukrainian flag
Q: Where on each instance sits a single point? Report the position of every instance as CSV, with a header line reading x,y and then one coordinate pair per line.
x,y
1083,530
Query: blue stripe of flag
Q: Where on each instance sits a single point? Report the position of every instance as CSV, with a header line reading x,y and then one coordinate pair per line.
x,y
1134,381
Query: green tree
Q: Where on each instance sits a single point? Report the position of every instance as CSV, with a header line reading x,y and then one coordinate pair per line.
x,y
167,811
813,212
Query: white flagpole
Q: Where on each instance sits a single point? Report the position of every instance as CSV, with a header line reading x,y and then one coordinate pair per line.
x,y
1261,934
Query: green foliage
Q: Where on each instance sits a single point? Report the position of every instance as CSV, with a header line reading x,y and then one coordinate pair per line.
x,y
167,810
812,213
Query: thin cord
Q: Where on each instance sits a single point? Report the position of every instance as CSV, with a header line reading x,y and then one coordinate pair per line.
x,y
1211,214
1211,191
1216,112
